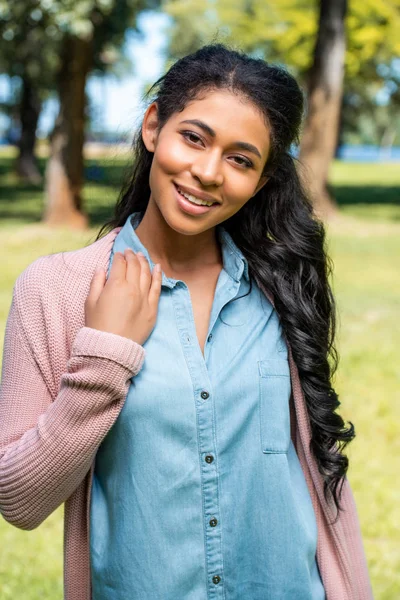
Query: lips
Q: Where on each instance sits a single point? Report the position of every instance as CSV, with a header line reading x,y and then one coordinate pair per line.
x,y
191,208
196,194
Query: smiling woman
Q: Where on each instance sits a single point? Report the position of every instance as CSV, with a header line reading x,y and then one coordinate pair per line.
x,y
219,161
179,368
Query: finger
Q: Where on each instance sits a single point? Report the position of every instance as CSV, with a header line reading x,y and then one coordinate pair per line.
x,y
145,274
118,268
96,286
155,289
132,267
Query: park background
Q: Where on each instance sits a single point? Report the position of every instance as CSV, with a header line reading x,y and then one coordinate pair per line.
x,y
72,75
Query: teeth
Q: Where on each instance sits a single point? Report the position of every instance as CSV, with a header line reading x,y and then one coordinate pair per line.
x,y
194,199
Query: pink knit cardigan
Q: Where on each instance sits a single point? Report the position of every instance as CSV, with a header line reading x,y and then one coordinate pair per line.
x,y
64,385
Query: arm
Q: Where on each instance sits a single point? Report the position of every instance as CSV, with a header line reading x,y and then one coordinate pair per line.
x,y
46,446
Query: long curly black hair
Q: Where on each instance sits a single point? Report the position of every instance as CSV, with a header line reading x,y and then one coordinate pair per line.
x,y
276,230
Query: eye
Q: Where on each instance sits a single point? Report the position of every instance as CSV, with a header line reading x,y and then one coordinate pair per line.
x,y
246,162
191,134
188,134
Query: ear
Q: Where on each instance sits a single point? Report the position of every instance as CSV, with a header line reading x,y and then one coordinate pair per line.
x,y
149,127
261,183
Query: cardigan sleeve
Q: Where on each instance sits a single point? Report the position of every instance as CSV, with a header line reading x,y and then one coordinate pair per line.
x,y
47,446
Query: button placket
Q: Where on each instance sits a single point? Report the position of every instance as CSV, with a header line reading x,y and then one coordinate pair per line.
x,y
204,406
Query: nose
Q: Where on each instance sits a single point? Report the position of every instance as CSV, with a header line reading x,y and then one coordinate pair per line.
x,y
207,169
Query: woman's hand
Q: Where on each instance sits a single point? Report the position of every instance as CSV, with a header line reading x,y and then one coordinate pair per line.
x,y
127,303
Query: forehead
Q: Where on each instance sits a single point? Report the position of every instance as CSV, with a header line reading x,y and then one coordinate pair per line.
x,y
231,116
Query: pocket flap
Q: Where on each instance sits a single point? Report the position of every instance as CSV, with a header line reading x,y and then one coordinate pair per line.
x,y
275,389
274,366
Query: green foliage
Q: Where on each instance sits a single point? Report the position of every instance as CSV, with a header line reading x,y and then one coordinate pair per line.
x,y
373,38
29,43
285,31
31,34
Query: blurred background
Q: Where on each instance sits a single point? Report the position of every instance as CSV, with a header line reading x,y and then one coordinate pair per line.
x,y
72,78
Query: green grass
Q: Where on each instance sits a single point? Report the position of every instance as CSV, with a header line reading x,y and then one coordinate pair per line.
x,y
367,278
31,562
364,243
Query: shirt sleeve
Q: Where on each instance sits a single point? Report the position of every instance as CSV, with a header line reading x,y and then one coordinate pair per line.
x,y
47,446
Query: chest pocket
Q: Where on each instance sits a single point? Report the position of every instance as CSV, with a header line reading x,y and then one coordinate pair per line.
x,y
274,395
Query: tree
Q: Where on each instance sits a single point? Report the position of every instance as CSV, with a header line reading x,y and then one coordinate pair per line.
x,y
89,29
28,50
64,171
285,31
325,89
56,43
30,109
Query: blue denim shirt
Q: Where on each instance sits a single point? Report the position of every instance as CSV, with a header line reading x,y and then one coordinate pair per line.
x,y
198,493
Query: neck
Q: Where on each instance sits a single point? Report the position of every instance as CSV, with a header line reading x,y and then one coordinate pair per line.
x,y
175,251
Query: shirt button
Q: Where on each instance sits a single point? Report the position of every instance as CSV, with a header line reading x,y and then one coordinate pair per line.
x,y
209,458
209,337
216,579
213,522
204,395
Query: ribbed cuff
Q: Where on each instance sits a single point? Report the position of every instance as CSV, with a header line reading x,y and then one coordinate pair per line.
x,y
103,344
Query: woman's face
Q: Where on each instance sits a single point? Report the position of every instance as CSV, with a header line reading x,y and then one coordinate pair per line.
x,y
217,146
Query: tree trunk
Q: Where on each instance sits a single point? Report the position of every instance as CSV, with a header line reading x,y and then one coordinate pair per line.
x,y
325,90
340,130
26,165
65,169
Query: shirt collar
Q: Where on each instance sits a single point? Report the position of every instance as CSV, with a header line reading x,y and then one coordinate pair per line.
x,y
235,264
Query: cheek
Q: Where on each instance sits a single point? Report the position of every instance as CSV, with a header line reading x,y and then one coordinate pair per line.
x,y
170,157
239,188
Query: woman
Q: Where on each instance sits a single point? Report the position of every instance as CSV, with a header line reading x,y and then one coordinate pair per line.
x,y
185,414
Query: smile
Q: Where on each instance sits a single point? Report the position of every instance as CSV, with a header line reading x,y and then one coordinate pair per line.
x,y
191,205
195,200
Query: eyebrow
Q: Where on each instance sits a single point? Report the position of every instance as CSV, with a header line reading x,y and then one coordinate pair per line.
x,y
211,132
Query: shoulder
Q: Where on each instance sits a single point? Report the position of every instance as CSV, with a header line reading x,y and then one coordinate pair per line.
x,y
67,267
52,278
